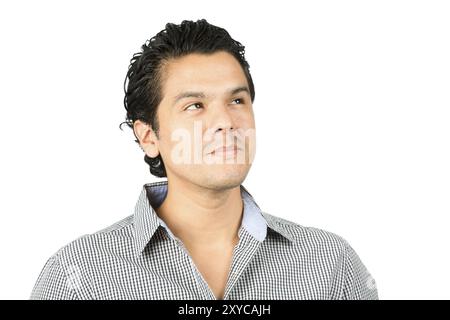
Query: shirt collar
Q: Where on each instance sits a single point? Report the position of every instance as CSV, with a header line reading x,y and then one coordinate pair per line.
x,y
146,221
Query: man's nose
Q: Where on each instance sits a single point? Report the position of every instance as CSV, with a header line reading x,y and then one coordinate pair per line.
x,y
222,119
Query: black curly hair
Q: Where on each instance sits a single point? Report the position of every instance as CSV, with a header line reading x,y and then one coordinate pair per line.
x,y
143,80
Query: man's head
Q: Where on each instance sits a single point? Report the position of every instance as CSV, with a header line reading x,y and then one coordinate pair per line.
x,y
188,92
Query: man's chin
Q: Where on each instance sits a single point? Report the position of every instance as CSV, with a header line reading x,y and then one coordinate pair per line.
x,y
224,179
214,177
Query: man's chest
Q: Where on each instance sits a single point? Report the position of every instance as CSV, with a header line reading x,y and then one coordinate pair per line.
x,y
214,265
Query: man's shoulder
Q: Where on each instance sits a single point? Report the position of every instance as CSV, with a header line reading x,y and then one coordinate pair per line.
x,y
61,274
305,235
113,237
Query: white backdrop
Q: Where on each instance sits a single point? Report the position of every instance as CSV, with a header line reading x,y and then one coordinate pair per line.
x,y
352,108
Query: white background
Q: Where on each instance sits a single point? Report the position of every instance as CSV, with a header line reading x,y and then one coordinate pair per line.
x,y
352,108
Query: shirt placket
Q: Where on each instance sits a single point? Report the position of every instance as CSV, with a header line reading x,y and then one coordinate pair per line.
x,y
202,285
243,253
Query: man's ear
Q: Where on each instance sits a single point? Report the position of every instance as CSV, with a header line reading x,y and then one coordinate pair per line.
x,y
147,138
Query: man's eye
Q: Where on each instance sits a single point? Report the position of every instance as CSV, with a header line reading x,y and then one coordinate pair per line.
x,y
190,107
241,100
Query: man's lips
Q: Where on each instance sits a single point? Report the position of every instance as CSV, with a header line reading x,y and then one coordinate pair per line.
x,y
228,149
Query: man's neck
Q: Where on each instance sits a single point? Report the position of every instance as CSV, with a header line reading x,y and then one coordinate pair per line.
x,y
202,217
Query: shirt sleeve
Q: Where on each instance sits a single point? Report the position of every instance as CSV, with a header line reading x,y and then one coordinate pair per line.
x,y
53,283
358,282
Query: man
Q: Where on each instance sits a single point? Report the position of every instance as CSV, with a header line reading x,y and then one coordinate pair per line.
x,y
200,234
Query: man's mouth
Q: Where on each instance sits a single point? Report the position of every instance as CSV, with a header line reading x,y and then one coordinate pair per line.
x,y
228,150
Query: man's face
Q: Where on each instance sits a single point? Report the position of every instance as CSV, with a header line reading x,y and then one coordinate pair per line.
x,y
206,106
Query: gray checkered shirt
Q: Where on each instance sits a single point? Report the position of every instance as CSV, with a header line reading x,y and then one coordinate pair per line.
x,y
140,258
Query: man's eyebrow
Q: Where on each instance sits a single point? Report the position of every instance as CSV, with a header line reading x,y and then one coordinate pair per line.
x,y
197,94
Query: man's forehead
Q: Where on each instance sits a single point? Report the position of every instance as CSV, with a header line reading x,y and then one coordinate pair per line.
x,y
202,68
191,80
